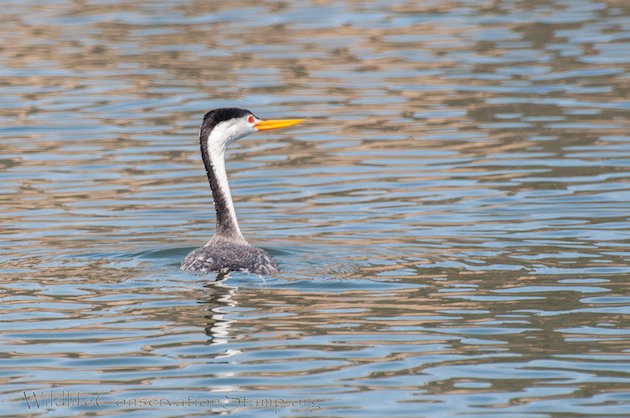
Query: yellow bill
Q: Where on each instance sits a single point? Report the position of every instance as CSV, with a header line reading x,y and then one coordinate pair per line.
x,y
265,125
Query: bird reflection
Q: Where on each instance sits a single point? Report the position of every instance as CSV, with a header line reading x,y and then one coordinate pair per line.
x,y
219,296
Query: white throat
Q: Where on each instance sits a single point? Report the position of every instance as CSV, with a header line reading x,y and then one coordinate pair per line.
x,y
222,135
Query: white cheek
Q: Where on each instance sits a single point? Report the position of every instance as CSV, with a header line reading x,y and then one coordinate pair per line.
x,y
239,129
227,132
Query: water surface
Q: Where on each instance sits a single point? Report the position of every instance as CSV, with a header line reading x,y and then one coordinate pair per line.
x,y
451,222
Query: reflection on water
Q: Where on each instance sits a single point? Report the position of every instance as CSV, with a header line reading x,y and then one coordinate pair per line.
x,y
451,223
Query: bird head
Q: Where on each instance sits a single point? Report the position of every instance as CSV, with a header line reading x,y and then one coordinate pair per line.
x,y
223,126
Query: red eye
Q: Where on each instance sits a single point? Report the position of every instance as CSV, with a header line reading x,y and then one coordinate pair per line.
x,y
250,119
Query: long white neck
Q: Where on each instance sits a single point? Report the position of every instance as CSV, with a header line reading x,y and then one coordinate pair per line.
x,y
213,153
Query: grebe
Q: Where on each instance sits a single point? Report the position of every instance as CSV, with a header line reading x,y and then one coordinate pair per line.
x,y
228,250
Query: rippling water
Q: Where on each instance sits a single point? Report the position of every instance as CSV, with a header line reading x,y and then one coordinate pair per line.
x,y
451,222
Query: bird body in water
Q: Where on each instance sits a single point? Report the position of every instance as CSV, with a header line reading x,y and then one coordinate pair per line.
x,y
228,250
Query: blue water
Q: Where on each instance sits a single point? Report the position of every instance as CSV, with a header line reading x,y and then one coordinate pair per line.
x,y
451,222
